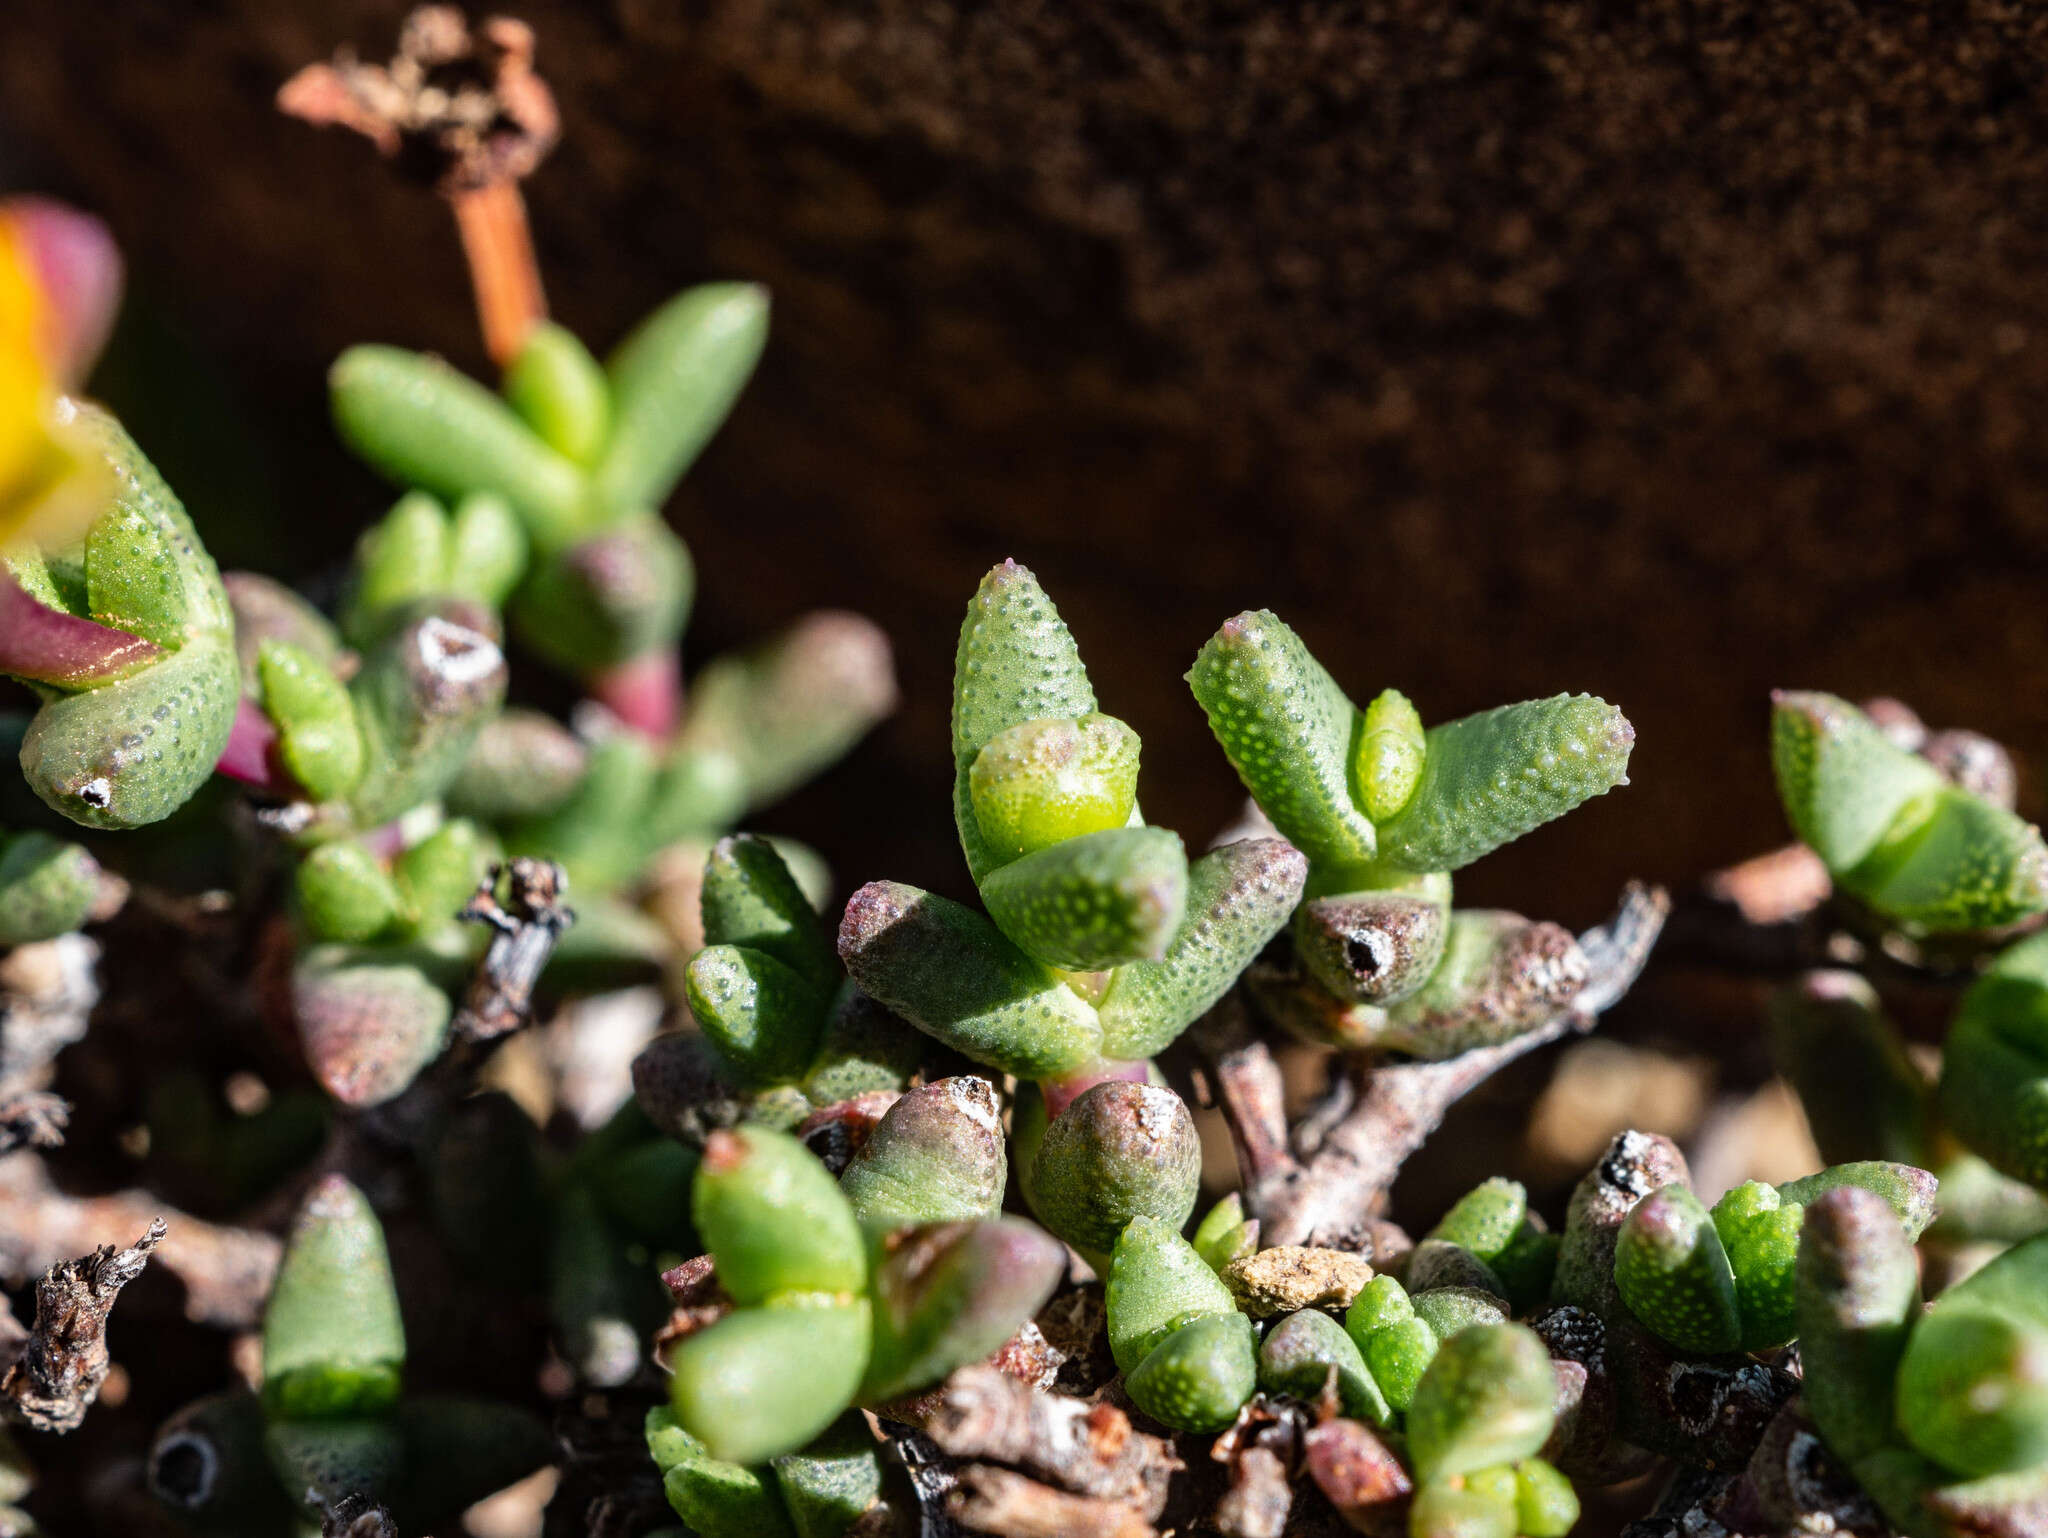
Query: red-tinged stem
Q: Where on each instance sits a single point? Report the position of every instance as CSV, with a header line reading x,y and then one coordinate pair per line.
x,y
1061,1093
645,692
502,269
251,754
66,651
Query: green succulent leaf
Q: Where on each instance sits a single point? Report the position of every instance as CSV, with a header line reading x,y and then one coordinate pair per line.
x,y
1199,1377
1037,783
1486,1399
48,887
561,392
333,1342
1094,901
1674,1274
1157,1283
1118,1152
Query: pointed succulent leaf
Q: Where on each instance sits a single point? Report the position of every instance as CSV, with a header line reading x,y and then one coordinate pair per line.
x,y
673,381
764,1018
1908,1191
952,1293
333,1343
400,559
1674,1275
1966,864
1238,898
345,893
955,976
487,550
1016,662
1398,1354
1157,1283
1486,1399
135,575
1120,1151
1223,1235
1843,782
607,598
774,1219
1199,1377
1528,1265
1435,1264
865,1047
522,764
440,872
1039,782
48,887
1486,1218
750,898
716,1498
1375,947
1973,1390
1858,1287
1863,1097
1994,1087
423,424
561,392
1546,1506
1302,1351
737,1386
936,1156
1760,1234
1481,1505
316,723
1490,778
1288,731
1094,901
830,1483
133,751
368,1021
1386,765
1447,1310
786,710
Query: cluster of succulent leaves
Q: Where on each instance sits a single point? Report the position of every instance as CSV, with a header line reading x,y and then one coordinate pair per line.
x,y
331,1418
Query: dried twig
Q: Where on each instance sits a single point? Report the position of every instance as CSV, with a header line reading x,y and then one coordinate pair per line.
x,y
1329,1200
33,1119
226,1271
57,1374
991,1500
357,1516
529,922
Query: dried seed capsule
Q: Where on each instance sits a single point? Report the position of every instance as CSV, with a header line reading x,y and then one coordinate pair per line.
x,y
750,898
1893,831
1490,778
1238,897
1375,947
1199,1377
1157,1283
774,1219
1386,766
1300,1353
316,724
955,976
1039,782
952,1293
1120,1151
1634,1165
1858,1295
673,381
1485,1400
48,887
1094,901
345,893
1016,662
561,392
607,598
733,1387
423,424
1674,1275
333,1343
936,1156
1287,729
